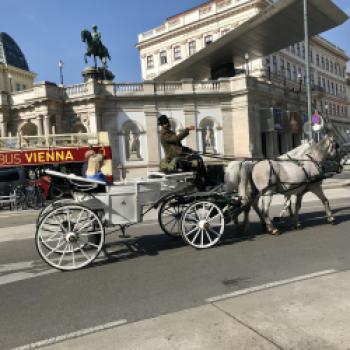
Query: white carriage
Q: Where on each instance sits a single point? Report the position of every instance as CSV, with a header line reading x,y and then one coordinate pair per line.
x,y
71,233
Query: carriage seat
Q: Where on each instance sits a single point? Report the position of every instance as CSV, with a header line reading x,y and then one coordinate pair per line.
x,y
79,183
179,165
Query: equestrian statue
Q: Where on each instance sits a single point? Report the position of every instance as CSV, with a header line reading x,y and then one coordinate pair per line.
x,y
95,47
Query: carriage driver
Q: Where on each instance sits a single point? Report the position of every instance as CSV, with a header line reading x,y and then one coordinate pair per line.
x,y
177,155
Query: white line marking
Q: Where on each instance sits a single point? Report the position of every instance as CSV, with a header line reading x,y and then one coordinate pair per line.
x,y
269,285
77,334
21,276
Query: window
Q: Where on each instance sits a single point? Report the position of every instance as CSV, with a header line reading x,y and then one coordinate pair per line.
x,y
336,89
18,87
24,86
295,74
317,60
289,72
336,68
208,39
298,49
150,62
303,49
293,49
332,88
328,86
332,67
282,65
191,47
322,60
163,57
327,64
177,53
274,64
319,81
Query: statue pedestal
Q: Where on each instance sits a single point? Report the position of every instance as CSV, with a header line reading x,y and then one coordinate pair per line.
x,y
98,73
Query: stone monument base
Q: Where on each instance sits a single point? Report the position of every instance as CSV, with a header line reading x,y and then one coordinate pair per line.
x,y
98,73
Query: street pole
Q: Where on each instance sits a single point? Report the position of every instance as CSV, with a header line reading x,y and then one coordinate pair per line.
x,y
307,65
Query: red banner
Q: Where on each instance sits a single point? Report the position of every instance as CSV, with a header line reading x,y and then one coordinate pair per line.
x,y
49,156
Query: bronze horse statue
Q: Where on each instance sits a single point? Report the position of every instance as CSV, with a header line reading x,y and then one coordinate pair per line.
x,y
96,49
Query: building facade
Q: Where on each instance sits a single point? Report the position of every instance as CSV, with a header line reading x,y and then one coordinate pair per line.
x,y
182,35
259,112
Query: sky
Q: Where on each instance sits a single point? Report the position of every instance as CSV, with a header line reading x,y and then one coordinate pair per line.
x,y
49,30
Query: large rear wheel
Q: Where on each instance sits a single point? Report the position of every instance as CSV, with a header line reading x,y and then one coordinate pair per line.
x,y
64,237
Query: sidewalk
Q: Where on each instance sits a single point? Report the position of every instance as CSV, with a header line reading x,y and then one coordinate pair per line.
x,y
313,313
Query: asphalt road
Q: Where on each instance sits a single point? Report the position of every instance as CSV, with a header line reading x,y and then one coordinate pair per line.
x,y
152,274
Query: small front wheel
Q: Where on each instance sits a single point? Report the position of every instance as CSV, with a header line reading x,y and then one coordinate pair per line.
x,y
70,237
203,224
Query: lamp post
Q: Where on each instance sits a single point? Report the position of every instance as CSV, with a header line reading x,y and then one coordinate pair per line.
x,y
307,66
246,57
9,75
348,135
60,65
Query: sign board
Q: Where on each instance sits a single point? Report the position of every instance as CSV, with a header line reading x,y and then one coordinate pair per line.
x,y
49,156
317,122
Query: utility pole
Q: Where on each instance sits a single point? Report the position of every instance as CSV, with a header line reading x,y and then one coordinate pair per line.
x,y
307,65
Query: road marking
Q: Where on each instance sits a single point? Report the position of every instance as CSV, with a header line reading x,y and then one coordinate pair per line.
x,y
69,336
15,272
270,285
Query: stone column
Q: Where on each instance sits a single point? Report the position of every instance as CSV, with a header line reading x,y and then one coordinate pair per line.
x,y
152,136
241,126
227,129
190,119
46,125
3,129
39,124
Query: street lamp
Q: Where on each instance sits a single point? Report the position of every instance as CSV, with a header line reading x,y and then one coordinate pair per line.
x,y
9,75
60,65
246,57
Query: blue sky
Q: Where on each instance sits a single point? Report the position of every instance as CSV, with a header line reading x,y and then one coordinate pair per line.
x,y
49,30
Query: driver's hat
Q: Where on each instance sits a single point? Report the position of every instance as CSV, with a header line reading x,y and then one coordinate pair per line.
x,y
163,120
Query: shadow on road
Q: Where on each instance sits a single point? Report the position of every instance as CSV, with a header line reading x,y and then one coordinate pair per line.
x,y
154,244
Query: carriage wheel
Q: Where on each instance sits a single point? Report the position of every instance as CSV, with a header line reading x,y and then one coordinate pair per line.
x,y
169,216
70,237
203,224
52,206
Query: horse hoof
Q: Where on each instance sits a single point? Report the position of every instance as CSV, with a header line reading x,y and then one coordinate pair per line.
x,y
331,221
275,232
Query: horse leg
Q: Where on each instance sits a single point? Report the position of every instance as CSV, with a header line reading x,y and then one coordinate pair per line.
x,y
258,211
297,223
318,191
266,203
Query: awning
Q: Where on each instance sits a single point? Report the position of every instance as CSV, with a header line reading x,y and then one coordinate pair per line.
x,y
275,28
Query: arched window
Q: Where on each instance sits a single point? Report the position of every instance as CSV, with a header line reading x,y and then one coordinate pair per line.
x,y
207,128
131,137
29,129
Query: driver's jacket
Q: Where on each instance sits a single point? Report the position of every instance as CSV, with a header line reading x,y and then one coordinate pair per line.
x,y
171,143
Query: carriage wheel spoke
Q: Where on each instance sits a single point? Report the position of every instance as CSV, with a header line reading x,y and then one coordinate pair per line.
x,y
214,232
92,245
85,255
208,235
202,237
56,249
214,217
90,233
85,225
210,211
63,254
196,235
73,254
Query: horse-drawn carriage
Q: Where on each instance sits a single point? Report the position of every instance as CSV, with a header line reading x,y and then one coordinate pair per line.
x,y
71,233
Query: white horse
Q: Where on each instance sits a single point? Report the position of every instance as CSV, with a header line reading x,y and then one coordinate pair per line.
x,y
297,177
233,179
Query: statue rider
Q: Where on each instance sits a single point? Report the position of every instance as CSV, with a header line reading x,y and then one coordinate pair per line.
x,y
96,35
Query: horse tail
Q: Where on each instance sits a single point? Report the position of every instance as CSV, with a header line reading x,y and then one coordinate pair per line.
x,y
246,187
233,176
